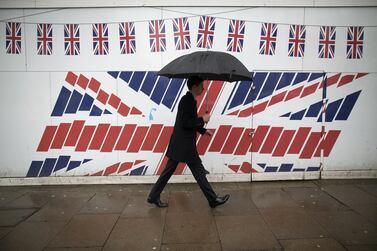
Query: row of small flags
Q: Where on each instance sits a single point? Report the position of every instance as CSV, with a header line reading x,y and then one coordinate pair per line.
x,y
181,30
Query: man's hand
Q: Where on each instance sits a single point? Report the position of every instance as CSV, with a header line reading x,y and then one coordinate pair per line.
x,y
206,117
209,133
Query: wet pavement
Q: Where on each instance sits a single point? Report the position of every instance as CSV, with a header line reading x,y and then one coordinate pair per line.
x,y
295,215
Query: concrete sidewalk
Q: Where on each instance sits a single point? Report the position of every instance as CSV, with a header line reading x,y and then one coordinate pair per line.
x,y
296,215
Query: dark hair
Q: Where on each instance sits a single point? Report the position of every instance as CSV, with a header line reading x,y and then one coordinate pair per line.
x,y
193,81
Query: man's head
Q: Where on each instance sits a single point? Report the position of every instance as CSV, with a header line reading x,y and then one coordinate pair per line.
x,y
195,85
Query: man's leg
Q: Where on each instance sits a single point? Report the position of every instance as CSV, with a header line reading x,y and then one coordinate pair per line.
x,y
198,172
163,179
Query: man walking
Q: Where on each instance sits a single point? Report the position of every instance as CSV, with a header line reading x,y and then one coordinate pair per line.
x,y
182,147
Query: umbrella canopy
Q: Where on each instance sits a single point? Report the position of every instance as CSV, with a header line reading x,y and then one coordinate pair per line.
x,y
211,65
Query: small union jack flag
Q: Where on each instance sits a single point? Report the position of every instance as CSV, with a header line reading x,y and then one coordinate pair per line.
x,y
44,39
267,44
100,39
296,42
157,35
206,32
127,38
181,33
72,39
236,35
355,42
326,42
13,38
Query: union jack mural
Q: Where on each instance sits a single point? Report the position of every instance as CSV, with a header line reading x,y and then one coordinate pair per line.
x,y
268,36
157,35
355,42
181,31
44,39
236,34
100,39
13,38
296,41
127,38
206,32
72,39
326,42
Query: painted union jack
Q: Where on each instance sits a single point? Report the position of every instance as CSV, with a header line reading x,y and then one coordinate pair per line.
x,y
296,42
157,35
355,42
206,32
44,39
267,44
127,38
100,39
326,42
181,33
13,38
235,35
72,39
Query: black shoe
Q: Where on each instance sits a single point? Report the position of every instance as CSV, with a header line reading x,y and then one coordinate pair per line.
x,y
157,202
219,201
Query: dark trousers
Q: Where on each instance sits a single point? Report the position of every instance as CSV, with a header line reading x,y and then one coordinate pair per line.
x,y
197,171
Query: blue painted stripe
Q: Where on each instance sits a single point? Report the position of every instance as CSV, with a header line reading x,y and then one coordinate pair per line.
x,y
149,82
160,89
137,171
315,75
258,81
240,94
285,167
107,112
286,115
172,91
114,74
95,111
312,168
86,103
298,115
299,170
47,167
285,80
347,106
73,164
86,160
261,165
270,169
62,162
314,110
332,109
34,169
300,77
270,85
145,170
61,102
74,102
125,75
136,80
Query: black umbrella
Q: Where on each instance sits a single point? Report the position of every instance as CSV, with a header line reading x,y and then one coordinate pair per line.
x,y
209,65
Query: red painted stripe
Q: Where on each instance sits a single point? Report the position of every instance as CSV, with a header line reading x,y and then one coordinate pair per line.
x,y
331,80
162,165
311,145
283,143
328,143
163,140
309,90
150,140
137,139
125,166
294,93
233,139
299,140
271,140
123,109
260,107
138,161
97,173
111,138
99,136
235,113
219,138
60,136
71,78
259,135
234,168
203,143
111,169
74,133
135,111
82,81
125,137
245,143
246,167
246,112
180,168
345,80
85,138
46,139
361,74
277,98
213,94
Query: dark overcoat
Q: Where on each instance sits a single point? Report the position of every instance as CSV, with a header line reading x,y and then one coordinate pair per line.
x,y
182,145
